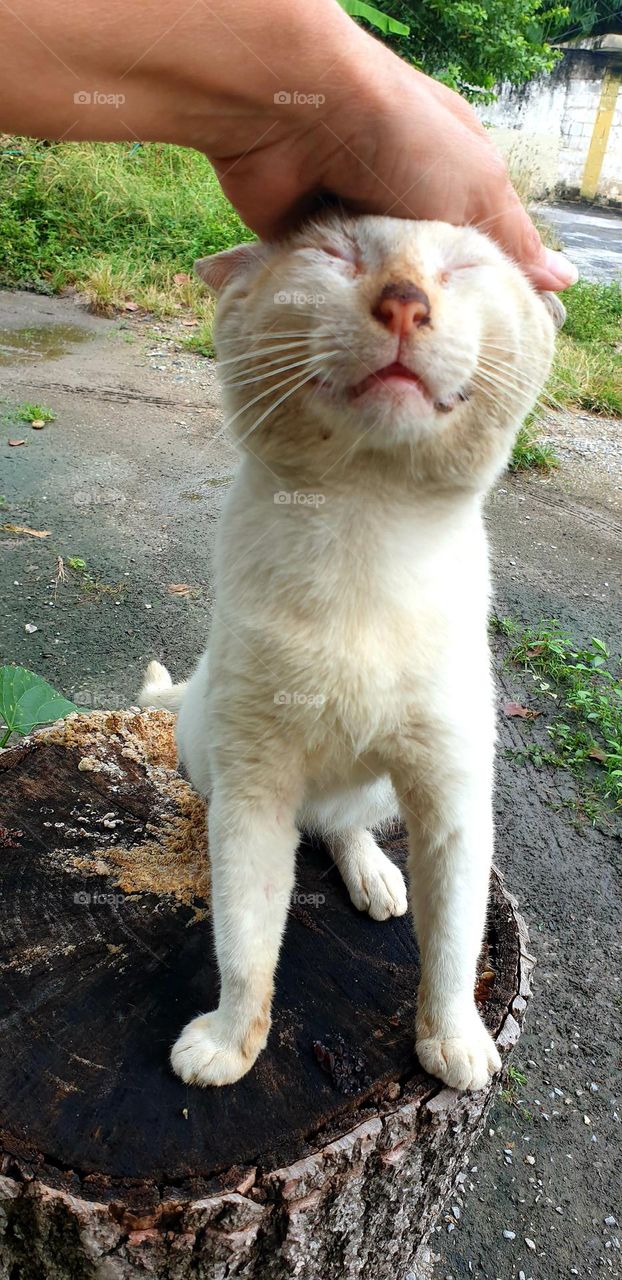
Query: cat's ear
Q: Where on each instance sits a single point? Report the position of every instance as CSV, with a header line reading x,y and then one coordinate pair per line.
x,y
555,308
220,268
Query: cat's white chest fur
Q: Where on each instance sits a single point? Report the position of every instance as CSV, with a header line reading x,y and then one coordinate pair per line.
x,y
363,610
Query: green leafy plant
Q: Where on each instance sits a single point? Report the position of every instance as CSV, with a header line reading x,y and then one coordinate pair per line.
x,y
381,21
34,413
530,453
26,700
472,46
587,732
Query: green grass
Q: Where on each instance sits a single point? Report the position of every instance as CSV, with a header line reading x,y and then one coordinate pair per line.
x,y
530,453
34,413
118,221
585,684
587,371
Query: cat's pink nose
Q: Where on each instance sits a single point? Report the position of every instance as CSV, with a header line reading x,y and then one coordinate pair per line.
x,y
402,307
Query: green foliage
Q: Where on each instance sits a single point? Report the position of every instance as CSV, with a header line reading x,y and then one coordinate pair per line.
x,y
588,731
472,46
34,413
588,366
530,453
587,17
26,700
109,216
594,312
381,21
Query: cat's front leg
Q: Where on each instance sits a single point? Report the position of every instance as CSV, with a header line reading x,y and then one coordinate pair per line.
x,y
448,813
253,839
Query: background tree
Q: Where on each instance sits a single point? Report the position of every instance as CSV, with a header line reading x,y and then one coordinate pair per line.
x,y
590,17
472,45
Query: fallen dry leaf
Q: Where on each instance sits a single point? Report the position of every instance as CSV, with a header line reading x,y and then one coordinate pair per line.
x,y
190,324
182,589
597,753
131,306
181,277
524,713
535,651
23,528
14,443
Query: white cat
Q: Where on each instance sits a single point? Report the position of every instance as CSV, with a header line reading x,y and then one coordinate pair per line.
x,y
374,372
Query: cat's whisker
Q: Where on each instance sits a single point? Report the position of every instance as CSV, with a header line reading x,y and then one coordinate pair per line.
x,y
280,368
267,335
260,396
286,394
521,381
265,351
494,384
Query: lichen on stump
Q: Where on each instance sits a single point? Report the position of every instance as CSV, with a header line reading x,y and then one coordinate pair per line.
x,y
331,1158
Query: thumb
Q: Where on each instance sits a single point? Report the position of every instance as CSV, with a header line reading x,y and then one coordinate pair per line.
x,y
516,233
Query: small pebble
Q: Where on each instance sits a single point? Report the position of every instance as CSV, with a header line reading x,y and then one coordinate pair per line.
x,y
509,1235
610,1221
586,1120
29,628
530,1159
531,1244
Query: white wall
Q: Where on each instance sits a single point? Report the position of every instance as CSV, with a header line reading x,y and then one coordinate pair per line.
x,y
545,128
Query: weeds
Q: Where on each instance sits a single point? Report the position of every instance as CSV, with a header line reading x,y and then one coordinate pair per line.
x,y
34,413
530,453
90,585
515,1080
587,370
118,221
585,684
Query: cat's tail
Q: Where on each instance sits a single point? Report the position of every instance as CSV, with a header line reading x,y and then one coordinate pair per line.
x,y
159,691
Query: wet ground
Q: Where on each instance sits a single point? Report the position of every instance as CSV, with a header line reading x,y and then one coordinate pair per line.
x,y
127,483
592,237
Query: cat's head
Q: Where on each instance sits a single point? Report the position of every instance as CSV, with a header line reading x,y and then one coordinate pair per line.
x,y
367,336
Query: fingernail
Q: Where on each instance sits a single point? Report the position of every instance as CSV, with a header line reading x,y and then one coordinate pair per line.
x,y
561,267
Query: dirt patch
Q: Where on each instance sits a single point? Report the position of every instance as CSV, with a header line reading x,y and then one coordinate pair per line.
x,y
172,859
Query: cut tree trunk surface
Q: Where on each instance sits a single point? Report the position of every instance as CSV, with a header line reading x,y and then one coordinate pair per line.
x,y
106,953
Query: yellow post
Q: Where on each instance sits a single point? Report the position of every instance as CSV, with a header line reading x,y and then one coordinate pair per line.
x,y
600,133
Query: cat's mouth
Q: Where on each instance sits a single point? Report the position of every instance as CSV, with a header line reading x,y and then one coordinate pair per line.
x,y
394,377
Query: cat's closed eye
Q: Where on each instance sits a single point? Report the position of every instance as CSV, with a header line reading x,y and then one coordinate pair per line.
x,y
344,253
447,275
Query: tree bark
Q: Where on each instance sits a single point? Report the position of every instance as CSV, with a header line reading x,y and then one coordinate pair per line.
x,y
333,1156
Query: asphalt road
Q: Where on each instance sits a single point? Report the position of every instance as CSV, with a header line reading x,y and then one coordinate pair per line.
x,y
591,237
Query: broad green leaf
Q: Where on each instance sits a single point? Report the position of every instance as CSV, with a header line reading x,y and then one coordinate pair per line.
x,y
26,700
382,21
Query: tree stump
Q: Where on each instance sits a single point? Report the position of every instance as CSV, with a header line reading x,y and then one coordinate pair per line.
x,y
330,1159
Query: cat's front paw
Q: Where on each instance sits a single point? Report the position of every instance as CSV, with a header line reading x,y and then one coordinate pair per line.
x,y
205,1055
463,1061
375,884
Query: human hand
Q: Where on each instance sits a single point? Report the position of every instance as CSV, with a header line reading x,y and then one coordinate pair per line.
x,y
389,140
290,102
